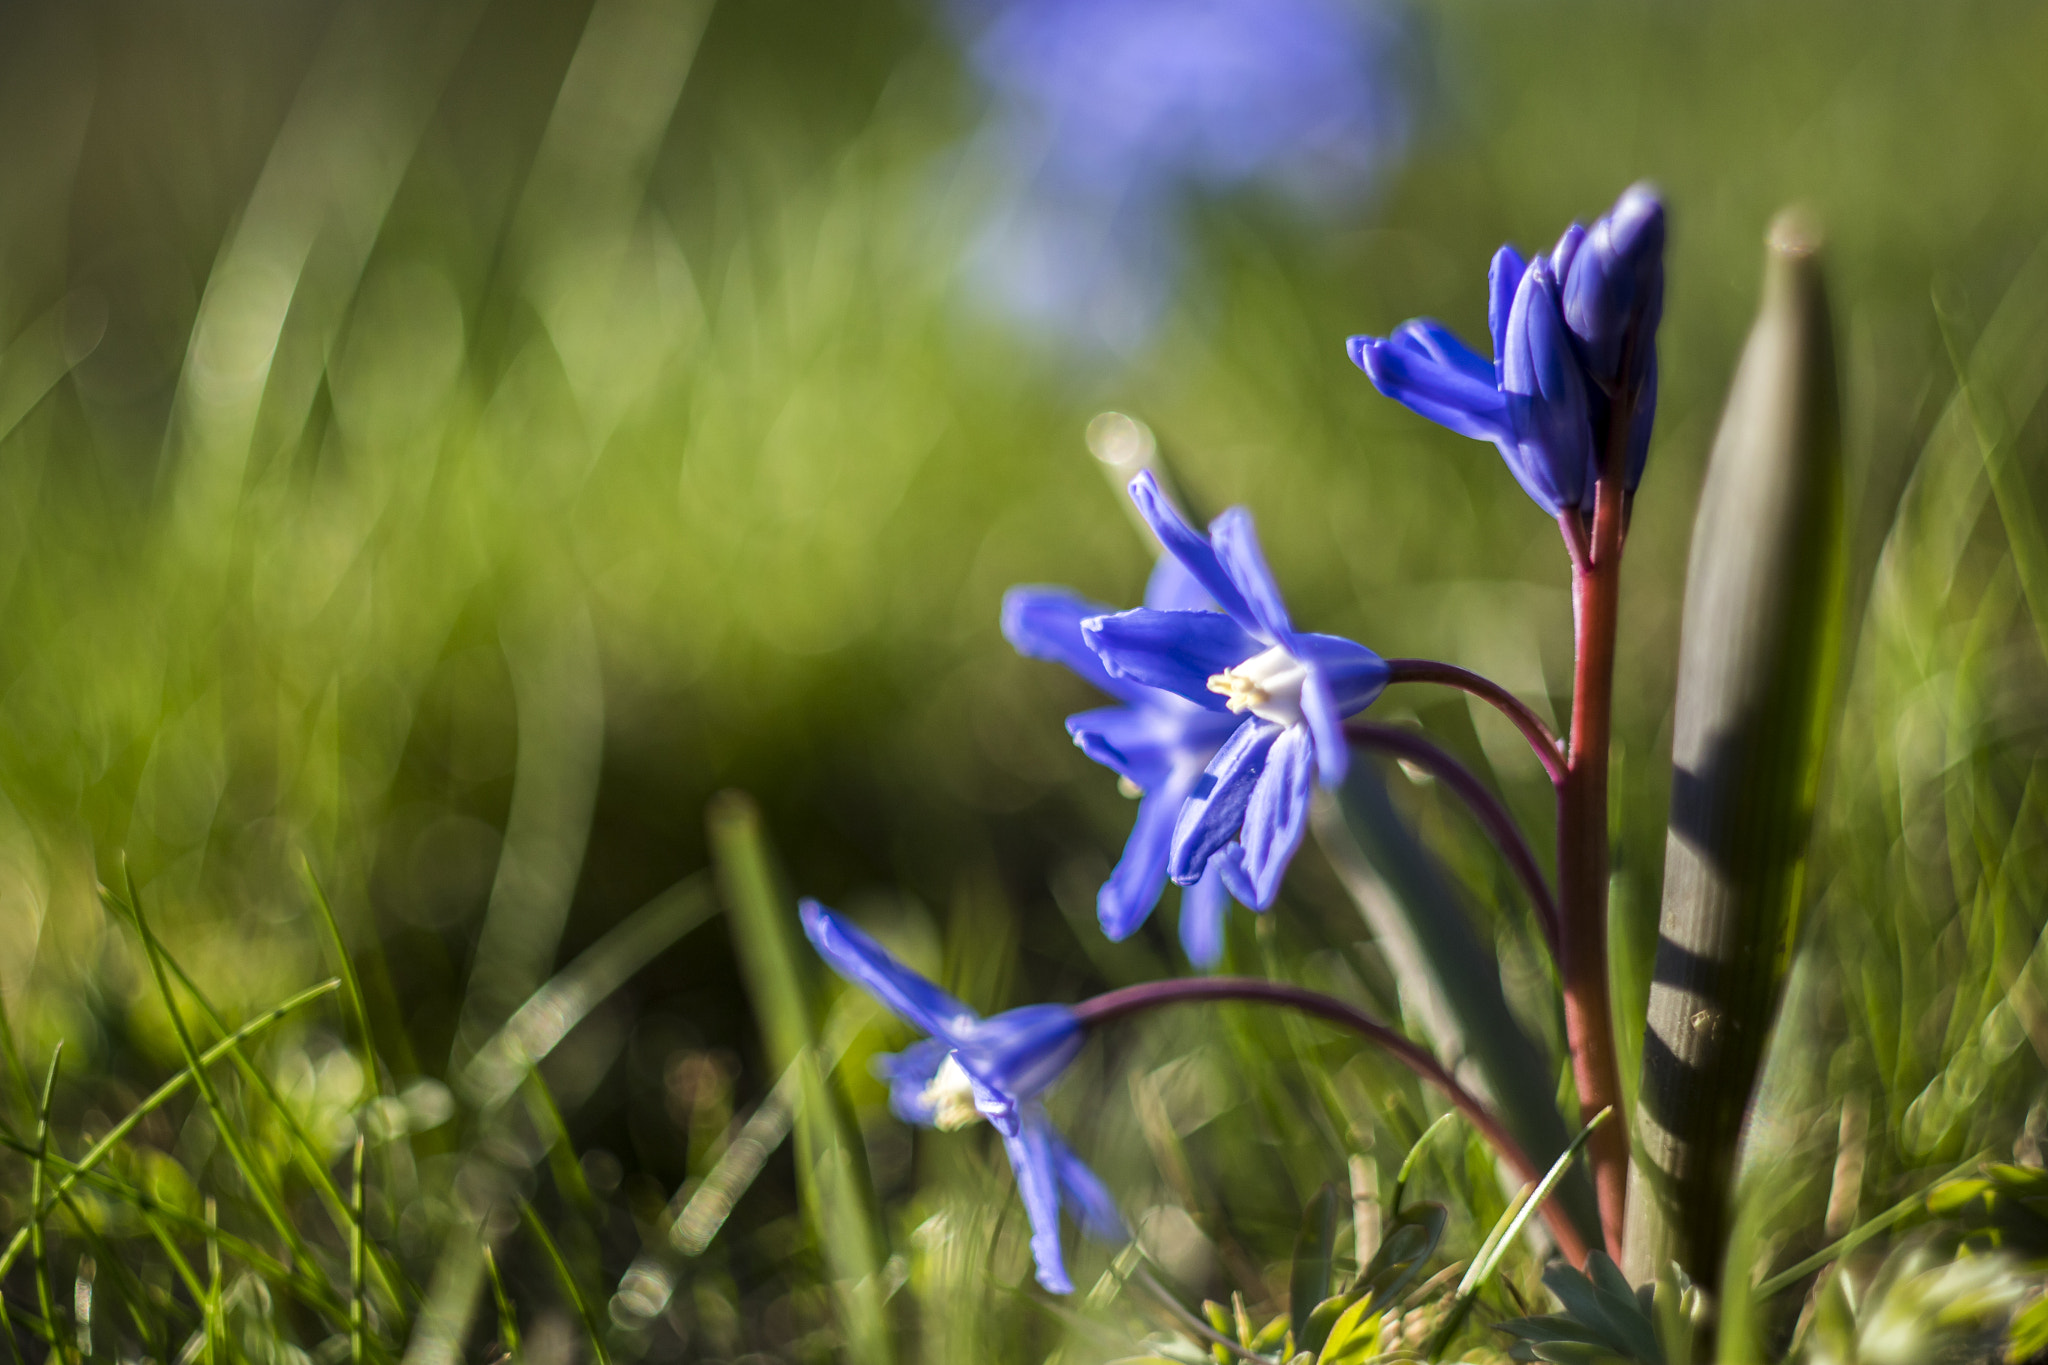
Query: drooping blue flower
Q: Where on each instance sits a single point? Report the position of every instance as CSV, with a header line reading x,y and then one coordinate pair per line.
x,y
1291,691
974,1068
1109,116
1574,335
1156,742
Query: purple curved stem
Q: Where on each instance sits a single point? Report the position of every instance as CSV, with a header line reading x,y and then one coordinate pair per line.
x,y
1153,994
1549,749
1486,808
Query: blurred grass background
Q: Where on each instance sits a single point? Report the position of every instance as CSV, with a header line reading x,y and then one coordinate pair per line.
x,y
448,444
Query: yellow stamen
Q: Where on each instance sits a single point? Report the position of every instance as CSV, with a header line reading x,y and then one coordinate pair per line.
x,y
951,1095
1241,693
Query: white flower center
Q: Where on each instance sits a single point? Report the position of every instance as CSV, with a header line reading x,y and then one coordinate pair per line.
x,y
951,1095
1268,685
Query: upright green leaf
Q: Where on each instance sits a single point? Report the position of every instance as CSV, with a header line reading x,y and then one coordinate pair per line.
x,y
1762,622
830,1167
1313,1248
1425,928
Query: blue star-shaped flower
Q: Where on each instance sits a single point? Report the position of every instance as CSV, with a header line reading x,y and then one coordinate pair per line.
x,y
974,1068
1157,742
1291,689
1563,330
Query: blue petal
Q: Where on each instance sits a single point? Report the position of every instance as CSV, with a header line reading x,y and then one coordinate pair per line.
x,y
1237,546
1038,1183
1230,862
1325,729
1213,811
1426,338
1176,651
1503,278
1185,543
1012,1056
1140,743
1553,449
1173,587
1277,815
1564,257
1403,369
1083,1192
867,964
1202,908
1618,278
909,1074
1045,623
1639,427
1140,876
1356,675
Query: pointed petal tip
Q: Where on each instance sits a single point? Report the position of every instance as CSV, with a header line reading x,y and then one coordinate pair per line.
x,y
816,919
1333,763
1016,603
1640,199
1054,1280
1636,222
1360,349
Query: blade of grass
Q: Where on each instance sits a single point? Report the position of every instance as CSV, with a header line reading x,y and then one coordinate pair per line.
x,y
35,1203
496,1070
751,1142
258,1260
1414,1157
508,1321
577,1298
106,1261
216,1314
1422,919
161,1095
547,1016
344,964
831,1170
547,1119
1857,1235
1523,1207
311,1161
224,1123
355,1254
15,1068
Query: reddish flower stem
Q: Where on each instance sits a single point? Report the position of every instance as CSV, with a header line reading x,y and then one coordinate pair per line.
x,y
1549,750
1582,848
1486,808
1152,994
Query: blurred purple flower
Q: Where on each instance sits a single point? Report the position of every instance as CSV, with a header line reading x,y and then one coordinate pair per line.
x,y
1109,114
972,1068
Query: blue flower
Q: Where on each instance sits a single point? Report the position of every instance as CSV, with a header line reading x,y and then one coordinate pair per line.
x,y
1574,335
1157,743
1291,689
974,1068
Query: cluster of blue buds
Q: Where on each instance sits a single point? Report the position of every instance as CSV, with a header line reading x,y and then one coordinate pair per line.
x,y
1226,717
1574,350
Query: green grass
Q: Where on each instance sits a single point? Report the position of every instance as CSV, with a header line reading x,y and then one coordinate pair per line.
x,y
447,480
